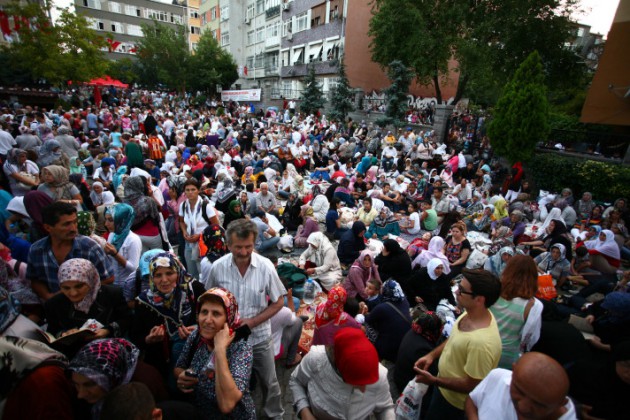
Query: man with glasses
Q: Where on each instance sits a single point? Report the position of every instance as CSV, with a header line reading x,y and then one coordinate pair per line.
x,y
472,350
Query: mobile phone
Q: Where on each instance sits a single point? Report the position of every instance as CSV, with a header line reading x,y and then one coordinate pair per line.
x,y
242,332
191,374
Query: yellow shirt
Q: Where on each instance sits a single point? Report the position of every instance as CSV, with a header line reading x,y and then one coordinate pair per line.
x,y
473,353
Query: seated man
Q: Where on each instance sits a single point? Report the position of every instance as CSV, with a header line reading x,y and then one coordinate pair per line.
x,y
267,237
536,389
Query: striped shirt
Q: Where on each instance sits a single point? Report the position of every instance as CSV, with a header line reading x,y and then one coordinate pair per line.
x,y
510,316
251,290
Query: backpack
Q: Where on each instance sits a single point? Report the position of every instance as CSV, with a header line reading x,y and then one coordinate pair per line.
x,y
293,277
204,213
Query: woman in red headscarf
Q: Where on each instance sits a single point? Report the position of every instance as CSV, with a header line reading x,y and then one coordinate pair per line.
x,y
331,317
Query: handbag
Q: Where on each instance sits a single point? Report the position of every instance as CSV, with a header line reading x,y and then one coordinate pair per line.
x,y
546,289
29,176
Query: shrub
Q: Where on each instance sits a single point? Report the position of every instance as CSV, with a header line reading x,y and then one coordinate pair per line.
x,y
607,181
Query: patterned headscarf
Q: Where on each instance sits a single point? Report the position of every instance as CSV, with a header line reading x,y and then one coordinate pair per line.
x,y
123,215
117,179
229,303
427,324
61,176
9,305
381,221
109,362
86,223
392,292
214,238
332,309
145,207
83,271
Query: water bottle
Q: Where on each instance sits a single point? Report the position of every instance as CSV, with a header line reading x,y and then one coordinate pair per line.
x,y
309,292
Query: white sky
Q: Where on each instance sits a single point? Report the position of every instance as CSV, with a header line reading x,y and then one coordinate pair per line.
x,y
597,13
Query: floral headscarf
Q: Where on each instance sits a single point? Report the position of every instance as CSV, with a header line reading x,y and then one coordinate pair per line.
x,y
383,221
86,223
109,362
229,302
392,292
214,238
427,324
123,215
332,309
83,271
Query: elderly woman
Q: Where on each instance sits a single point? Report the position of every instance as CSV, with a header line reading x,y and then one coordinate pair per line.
x,y
393,261
362,270
146,223
235,212
497,262
435,250
330,317
216,364
51,154
22,173
292,215
584,207
123,247
390,320
83,298
58,187
555,263
164,316
429,286
320,204
517,312
100,367
384,224
605,254
308,226
320,261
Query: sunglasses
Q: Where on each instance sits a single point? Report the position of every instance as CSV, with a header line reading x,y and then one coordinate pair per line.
x,y
461,291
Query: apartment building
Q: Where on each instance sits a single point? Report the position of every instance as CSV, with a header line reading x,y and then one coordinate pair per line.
x,y
209,15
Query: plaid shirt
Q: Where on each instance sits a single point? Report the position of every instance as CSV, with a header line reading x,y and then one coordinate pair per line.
x,y
43,266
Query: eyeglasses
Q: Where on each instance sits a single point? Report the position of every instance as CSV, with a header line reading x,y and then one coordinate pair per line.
x,y
461,291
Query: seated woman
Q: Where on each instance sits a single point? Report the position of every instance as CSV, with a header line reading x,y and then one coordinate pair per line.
x,y
604,252
429,286
235,212
352,242
334,229
393,262
435,250
330,317
410,225
384,224
249,177
123,247
214,365
83,298
164,316
363,270
390,320
343,193
309,225
457,248
555,263
291,217
58,187
320,261
517,312
497,262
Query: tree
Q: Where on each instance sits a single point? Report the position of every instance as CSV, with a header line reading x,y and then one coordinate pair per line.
x,y
312,97
341,95
163,56
68,50
124,69
211,66
396,94
521,117
488,39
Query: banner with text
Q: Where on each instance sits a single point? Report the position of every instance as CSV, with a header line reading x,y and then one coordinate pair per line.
x,y
241,95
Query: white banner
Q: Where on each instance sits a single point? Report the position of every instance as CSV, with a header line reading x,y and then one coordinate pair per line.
x,y
241,95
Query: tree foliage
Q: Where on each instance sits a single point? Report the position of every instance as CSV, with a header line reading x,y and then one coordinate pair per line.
x,y
163,56
396,94
312,97
68,50
124,69
488,39
211,66
341,100
521,117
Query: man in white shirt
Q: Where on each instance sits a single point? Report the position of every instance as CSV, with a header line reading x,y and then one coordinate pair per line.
x,y
7,142
536,389
388,157
259,292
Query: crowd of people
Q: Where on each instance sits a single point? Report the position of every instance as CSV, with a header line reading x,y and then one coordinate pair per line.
x,y
155,254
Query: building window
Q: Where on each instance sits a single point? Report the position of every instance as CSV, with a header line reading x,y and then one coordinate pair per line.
x,y
131,10
225,13
285,58
178,19
273,30
114,7
193,14
260,34
260,6
204,18
134,30
271,3
287,28
92,4
301,22
101,26
195,30
213,13
250,11
194,46
250,37
215,33
117,27
225,38
249,62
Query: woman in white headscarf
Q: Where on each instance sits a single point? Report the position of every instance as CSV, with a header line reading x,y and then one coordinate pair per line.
x,y
554,214
429,285
435,250
320,260
604,252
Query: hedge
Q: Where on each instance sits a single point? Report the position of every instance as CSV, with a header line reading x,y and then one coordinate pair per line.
x,y
607,181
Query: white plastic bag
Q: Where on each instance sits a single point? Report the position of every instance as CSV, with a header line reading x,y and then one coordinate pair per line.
x,y
476,259
410,401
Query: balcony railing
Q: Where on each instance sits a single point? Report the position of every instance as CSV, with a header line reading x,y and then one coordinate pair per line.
x,y
272,12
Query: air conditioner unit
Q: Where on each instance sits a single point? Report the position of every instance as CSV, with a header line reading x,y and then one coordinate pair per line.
x,y
286,6
247,21
290,36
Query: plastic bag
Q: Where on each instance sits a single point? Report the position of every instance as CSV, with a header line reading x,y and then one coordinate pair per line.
x,y
409,403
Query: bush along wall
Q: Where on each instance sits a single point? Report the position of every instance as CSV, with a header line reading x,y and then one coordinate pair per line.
x,y
606,181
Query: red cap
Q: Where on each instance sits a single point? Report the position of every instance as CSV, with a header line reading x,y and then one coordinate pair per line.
x,y
355,357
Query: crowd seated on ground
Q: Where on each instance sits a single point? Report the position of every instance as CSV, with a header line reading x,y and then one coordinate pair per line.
x,y
147,238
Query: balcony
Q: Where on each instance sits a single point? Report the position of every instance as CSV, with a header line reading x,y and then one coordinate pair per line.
x,y
271,42
272,12
272,71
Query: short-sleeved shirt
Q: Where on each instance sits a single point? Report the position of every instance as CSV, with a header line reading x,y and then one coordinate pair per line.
x,y
262,228
195,222
469,353
251,290
266,201
68,192
454,251
431,221
43,267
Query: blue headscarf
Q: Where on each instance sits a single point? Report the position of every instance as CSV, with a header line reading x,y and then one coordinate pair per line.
x,y
365,164
123,215
118,176
110,160
392,292
5,198
145,260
